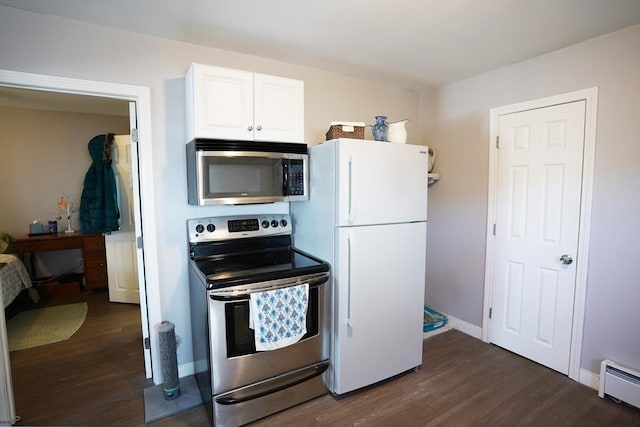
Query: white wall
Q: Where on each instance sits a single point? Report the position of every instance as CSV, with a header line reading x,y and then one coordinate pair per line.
x,y
45,157
458,203
35,43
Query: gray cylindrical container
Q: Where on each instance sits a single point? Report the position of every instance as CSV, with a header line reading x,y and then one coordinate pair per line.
x,y
169,360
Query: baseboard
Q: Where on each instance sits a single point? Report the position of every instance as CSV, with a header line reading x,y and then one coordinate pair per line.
x,y
455,323
590,379
466,327
438,331
186,370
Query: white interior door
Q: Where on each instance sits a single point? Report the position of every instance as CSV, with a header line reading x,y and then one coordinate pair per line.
x,y
537,217
120,245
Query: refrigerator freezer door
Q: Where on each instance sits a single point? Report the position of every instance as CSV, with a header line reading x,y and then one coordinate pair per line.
x,y
379,294
380,183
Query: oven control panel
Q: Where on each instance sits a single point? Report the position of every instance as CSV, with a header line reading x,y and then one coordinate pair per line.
x,y
242,225
237,227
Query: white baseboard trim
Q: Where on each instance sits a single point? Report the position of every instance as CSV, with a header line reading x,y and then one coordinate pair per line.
x,y
440,330
590,379
186,370
466,327
455,323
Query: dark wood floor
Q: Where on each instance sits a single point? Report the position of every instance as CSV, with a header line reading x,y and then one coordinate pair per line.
x,y
97,379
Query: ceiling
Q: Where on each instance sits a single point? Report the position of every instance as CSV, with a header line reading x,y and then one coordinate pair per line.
x,y
410,43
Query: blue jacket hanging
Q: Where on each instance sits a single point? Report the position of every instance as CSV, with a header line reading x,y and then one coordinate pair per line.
x,y
98,203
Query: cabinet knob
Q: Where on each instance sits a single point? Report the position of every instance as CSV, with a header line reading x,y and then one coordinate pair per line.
x,y
250,128
259,128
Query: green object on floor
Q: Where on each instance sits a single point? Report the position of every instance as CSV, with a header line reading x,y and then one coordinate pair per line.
x,y
35,328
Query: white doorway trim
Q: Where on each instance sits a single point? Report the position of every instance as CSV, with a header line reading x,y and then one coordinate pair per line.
x,y
149,288
591,97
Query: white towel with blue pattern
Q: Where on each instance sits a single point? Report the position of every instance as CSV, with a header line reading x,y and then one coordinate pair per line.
x,y
279,317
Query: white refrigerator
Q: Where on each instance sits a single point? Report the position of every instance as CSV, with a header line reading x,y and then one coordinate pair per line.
x,y
367,216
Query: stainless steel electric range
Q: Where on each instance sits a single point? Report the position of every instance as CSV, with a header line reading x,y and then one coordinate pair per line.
x,y
232,258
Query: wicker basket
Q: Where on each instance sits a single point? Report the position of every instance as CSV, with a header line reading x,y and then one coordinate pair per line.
x,y
345,131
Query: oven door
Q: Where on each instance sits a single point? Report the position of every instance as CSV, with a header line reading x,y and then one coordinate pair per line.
x,y
234,359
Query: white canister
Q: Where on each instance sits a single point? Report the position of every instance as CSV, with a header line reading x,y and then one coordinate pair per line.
x,y
398,132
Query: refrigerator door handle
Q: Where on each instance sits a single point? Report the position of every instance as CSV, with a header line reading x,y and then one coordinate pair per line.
x,y
350,204
349,320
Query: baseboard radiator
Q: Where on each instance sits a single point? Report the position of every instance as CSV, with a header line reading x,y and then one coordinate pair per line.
x,y
620,383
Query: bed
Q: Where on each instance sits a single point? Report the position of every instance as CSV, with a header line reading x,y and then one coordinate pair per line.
x,y
14,278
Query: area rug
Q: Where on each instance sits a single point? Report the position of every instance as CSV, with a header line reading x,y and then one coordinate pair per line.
x,y
34,328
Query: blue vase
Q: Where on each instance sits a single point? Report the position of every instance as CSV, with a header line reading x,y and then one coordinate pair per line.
x,y
380,129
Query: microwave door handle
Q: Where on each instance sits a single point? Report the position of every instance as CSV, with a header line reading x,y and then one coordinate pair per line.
x,y
285,177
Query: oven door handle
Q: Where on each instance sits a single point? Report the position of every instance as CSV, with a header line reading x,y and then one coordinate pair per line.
x,y
243,292
271,386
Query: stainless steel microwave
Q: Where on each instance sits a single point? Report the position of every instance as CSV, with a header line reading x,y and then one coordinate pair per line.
x,y
242,172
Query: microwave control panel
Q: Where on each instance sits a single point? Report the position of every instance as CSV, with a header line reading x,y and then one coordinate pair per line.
x,y
295,181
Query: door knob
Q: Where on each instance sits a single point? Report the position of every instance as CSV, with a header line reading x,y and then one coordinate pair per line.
x,y
566,259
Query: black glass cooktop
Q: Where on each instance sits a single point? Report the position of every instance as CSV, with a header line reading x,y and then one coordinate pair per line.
x,y
244,268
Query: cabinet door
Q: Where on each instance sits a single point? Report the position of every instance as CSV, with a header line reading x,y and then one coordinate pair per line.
x,y
278,109
95,262
219,103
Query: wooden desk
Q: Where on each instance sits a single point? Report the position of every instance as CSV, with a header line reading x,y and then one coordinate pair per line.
x,y
93,253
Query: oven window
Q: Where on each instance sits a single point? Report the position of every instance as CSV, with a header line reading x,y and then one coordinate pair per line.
x,y
241,339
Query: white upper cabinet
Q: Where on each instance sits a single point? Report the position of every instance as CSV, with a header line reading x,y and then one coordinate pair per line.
x,y
278,108
223,103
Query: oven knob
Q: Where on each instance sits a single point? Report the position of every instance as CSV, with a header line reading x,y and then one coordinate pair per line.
x,y
199,228
265,224
283,222
274,223
211,228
